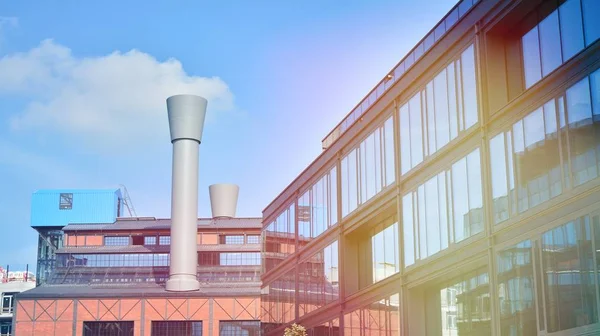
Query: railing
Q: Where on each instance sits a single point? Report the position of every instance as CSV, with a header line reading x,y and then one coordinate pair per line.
x,y
434,35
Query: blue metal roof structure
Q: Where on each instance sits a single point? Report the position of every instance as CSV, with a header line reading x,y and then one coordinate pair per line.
x,y
59,207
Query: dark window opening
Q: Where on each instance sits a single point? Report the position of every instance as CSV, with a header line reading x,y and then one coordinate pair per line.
x,y
182,328
137,240
106,328
66,201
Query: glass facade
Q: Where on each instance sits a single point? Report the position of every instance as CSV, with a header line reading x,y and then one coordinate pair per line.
x,y
279,238
379,318
239,328
183,328
446,209
530,162
317,208
278,302
318,279
237,239
107,328
440,112
368,168
253,239
464,306
164,240
329,328
239,258
150,240
549,283
462,274
114,260
116,241
559,37
384,252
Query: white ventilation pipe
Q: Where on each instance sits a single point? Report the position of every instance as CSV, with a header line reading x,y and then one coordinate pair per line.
x,y
186,121
223,199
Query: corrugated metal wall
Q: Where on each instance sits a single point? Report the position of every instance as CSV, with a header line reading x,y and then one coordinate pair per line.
x,y
89,206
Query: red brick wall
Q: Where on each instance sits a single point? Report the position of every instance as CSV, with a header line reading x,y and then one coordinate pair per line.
x,y
55,317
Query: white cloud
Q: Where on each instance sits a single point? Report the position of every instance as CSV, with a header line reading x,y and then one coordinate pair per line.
x,y
103,100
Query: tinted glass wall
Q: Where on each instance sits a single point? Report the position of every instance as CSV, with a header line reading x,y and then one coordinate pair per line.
x,y
384,252
552,149
439,112
318,279
279,238
239,328
368,168
549,283
558,37
114,260
278,302
317,208
464,305
379,318
445,210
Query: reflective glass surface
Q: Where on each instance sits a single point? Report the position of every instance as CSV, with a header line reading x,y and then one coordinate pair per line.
x,y
318,279
368,169
551,149
384,252
531,57
515,290
279,236
549,44
465,306
379,318
278,302
575,22
317,208
446,209
239,328
437,114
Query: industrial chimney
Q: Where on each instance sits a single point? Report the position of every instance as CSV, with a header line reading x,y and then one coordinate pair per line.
x,y
186,121
223,199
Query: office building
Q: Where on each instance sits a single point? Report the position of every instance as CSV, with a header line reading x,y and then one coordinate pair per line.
x,y
462,195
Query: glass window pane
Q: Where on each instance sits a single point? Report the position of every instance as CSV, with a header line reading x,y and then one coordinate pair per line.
x,y
515,290
408,225
422,222
416,133
431,119
452,107
475,193
390,171
460,198
469,87
443,210
595,85
499,184
345,191
531,57
571,28
405,157
333,196
567,258
583,134
591,12
432,216
550,44
441,109
352,182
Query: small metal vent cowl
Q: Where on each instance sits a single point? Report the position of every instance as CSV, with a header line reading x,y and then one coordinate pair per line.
x,y
223,199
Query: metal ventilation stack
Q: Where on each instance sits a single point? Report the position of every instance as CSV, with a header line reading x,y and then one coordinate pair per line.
x,y
186,122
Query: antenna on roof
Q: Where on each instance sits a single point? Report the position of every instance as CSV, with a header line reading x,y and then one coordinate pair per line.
x,y
127,201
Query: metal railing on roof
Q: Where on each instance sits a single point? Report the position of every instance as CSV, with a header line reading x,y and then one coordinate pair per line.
x,y
434,35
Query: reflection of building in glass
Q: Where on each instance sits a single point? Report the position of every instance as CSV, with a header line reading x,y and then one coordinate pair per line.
x,y
467,185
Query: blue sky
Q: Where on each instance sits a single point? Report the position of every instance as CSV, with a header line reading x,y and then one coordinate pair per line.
x,y
83,84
